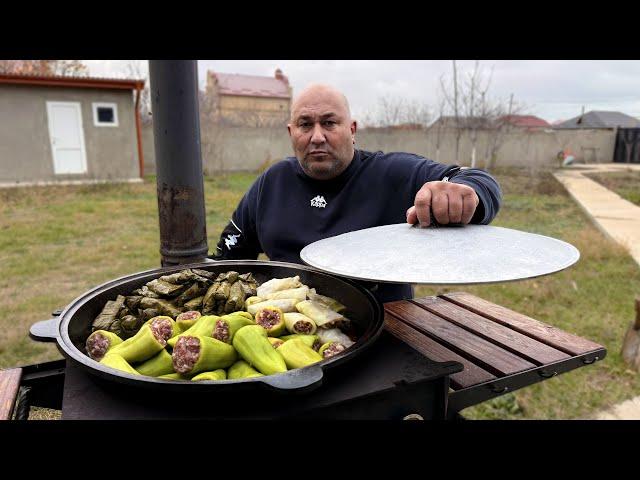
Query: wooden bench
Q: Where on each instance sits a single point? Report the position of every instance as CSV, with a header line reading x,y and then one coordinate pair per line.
x,y
501,350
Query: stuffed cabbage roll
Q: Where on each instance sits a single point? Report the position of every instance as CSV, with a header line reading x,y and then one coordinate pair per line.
x,y
286,305
334,335
277,284
332,303
298,294
322,315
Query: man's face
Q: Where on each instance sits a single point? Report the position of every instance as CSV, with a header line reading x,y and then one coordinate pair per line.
x,y
322,134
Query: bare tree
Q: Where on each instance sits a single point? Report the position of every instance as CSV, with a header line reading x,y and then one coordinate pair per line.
x,y
393,111
470,105
417,114
451,98
501,127
73,68
438,125
475,110
10,66
139,70
456,112
478,112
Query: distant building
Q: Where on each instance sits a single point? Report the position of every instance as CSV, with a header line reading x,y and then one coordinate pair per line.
x,y
528,122
408,126
69,129
598,119
400,126
462,122
249,100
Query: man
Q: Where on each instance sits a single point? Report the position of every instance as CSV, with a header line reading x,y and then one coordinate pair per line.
x,y
330,188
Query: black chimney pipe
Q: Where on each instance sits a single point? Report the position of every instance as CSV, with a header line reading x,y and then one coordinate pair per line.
x,y
176,135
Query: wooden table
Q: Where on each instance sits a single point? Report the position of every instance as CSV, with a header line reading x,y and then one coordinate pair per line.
x,y
501,350
488,350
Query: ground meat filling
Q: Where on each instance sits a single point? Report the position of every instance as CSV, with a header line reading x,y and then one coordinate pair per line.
x,y
268,319
185,354
190,315
97,346
221,331
161,329
333,349
303,327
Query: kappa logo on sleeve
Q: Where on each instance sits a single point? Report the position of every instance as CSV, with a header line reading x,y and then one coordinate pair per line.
x,y
318,201
231,240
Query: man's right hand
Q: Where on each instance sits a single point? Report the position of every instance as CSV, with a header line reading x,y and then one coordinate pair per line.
x,y
449,202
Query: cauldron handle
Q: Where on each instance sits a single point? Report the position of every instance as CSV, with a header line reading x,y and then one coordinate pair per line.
x,y
45,331
299,378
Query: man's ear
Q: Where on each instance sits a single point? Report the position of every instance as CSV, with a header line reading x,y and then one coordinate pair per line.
x,y
289,128
354,128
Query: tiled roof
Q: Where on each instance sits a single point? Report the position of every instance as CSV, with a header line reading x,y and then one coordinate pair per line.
x,y
68,81
600,119
253,86
526,121
465,122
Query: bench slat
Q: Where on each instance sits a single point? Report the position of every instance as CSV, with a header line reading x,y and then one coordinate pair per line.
x,y
567,342
9,385
522,345
471,375
485,354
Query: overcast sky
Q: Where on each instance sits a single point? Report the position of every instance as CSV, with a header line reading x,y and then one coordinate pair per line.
x,y
553,89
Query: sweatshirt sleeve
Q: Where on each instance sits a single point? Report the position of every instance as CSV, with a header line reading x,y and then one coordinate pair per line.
x,y
239,239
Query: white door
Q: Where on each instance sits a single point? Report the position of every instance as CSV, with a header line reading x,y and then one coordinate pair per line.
x,y
67,137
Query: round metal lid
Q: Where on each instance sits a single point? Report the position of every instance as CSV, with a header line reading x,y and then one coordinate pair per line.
x,y
468,254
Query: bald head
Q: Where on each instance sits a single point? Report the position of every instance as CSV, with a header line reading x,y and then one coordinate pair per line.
x,y
320,92
322,131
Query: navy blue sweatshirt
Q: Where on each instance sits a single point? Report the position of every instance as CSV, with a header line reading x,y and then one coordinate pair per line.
x,y
286,210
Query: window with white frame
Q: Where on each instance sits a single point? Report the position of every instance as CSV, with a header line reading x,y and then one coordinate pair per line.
x,y
105,114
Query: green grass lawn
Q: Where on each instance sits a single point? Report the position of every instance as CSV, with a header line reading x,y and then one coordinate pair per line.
x,y
58,242
625,184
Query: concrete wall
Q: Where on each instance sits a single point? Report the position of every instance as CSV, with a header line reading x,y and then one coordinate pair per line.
x,y
245,148
25,149
533,149
242,148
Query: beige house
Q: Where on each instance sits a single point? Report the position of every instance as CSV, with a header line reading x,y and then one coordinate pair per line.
x,y
68,130
247,100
